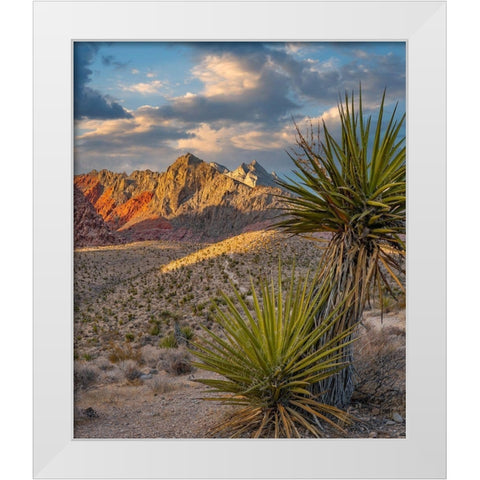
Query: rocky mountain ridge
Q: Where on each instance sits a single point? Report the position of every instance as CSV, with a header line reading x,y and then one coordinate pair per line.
x,y
191,200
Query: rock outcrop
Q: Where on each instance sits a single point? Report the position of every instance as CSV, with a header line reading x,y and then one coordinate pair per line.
x,y
88,226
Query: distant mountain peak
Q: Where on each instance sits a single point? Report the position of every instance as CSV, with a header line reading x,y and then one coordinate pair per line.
x,y
187,159
253,175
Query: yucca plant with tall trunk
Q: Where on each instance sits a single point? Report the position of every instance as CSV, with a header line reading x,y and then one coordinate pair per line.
x,y
268,359
353,188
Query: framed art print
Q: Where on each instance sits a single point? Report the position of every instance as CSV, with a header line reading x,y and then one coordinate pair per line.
x,y
239,217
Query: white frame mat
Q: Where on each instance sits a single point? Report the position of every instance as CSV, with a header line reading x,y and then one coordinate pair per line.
x,y
422,25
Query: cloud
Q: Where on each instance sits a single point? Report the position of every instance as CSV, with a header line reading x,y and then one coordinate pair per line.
x,y
205,139
249,137
323,80
225,75
145,88
264,83
126,144
141,129
134,71
235,89
88,102
259,140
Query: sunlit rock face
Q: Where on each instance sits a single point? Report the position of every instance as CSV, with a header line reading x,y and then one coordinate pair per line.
x,y
253,175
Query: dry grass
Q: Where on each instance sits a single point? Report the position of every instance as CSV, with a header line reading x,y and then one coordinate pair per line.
x,y
121,353
177,362
103,363
159,385
85,375
380,365
114,375
150,355
130,370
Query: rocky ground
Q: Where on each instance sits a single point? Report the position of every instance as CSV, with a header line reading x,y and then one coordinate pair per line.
x,y
131,383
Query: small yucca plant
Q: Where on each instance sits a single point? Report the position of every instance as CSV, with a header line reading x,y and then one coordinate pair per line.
x,y
268,360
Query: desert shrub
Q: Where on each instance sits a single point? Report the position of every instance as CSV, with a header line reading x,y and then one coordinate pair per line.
x,y
119,353
154,330
177,363
169,341
161,385
269,358
103,363
84,376
129,337
150,355
395,331
380,367
130,369
113,376
187,333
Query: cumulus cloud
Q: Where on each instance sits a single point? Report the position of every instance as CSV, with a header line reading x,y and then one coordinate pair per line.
x,y
141,141
254,82
88,102
258,140
141,129
145,88
205,139
225,75
237,90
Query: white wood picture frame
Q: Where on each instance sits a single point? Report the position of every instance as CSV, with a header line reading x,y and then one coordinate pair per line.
x,y
421,24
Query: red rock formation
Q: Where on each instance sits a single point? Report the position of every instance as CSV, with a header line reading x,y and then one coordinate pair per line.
x,y
137,206
105,204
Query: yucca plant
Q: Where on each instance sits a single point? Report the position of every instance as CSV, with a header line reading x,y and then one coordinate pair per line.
x,y
354,189
267,358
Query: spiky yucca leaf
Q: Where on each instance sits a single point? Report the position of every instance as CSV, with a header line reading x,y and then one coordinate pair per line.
x,y
268,358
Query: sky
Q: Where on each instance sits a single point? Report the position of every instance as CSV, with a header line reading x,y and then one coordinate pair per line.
x,y
140,105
